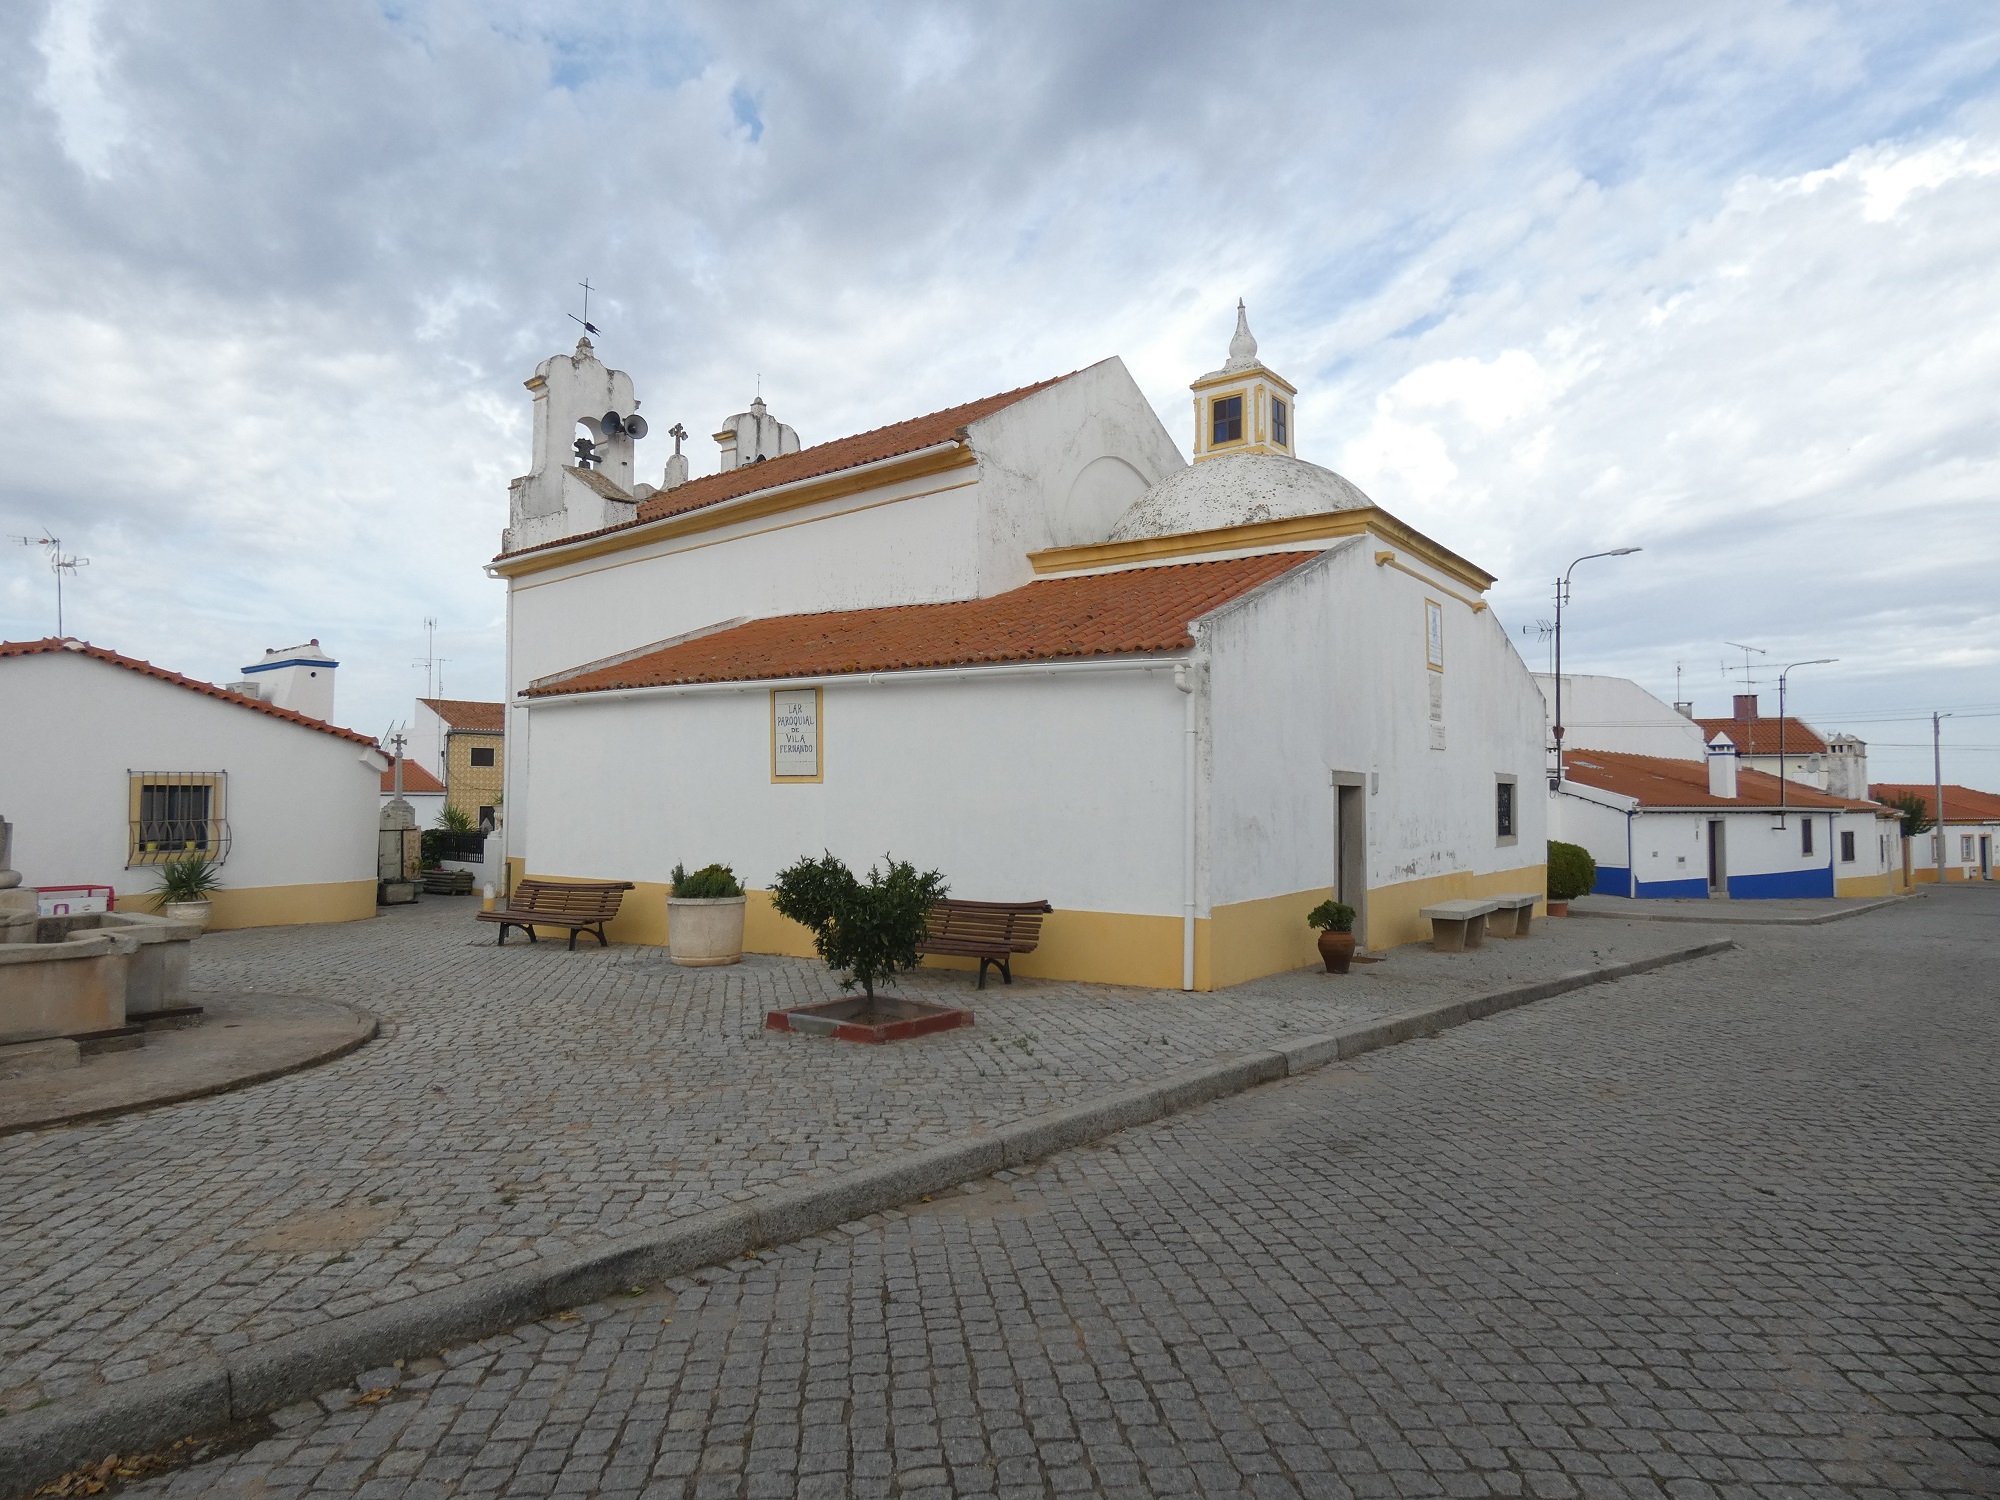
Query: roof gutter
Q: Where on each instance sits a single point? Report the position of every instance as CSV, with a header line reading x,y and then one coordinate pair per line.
x,y
915,677
550,554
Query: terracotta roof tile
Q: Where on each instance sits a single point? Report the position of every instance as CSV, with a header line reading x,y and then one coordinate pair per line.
x,y
469,713
809,463
1660,781
1760,736
415,779
51,644
1109,614
1962,804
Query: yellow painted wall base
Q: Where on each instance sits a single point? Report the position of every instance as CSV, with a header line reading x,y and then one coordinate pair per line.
x,y
1393,910
1865,885
1239,942
233,907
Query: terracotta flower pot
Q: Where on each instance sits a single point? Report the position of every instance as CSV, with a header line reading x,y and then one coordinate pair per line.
x,y
1337,948
1558,908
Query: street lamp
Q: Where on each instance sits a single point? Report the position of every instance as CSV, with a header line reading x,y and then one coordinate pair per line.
x,y
1817,661
1562,596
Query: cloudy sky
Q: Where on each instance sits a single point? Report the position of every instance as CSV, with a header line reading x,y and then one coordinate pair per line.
x,y
1714,279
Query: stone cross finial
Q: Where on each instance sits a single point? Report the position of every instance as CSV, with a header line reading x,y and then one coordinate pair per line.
x,y
9,876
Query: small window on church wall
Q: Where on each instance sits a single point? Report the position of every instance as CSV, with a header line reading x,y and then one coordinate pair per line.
x,y
1278,421
1227,426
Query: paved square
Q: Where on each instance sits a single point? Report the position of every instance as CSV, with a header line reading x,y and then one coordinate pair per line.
x,y
1727,1229
526,1100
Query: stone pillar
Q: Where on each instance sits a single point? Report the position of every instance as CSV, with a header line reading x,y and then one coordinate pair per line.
x,y
17,902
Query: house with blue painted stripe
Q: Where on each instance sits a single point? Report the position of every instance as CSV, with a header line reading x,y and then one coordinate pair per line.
x,y
1664,826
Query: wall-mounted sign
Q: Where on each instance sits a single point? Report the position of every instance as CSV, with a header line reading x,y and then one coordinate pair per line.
x,y
795,734
1434,634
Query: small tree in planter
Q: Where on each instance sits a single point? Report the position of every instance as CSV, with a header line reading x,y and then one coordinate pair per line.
x,y
705,917
872,928
1335,922
185,886
1572,873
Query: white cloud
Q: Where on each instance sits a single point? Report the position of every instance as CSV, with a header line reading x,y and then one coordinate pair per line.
x,y
1714,277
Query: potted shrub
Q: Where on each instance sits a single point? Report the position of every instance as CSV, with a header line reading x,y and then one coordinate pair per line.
x,y
705,917
184,888
872,928
1336,934
1572,873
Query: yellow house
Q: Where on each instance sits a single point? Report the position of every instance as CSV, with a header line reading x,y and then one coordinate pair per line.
x,y
467,741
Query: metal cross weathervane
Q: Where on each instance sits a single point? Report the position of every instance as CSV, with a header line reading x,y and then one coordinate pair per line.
x,y
588,326
59,564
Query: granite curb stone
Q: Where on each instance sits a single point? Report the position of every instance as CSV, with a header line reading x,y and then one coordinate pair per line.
x,y
146,1412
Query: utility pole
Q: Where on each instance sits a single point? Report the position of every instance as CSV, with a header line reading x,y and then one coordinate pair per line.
x,y
1562,597
1783,779
1937,790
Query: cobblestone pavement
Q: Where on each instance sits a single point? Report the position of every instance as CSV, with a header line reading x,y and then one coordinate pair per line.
x,y
526,1100
1727,1229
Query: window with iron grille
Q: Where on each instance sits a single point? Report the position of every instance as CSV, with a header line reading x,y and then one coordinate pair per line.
x,y
1503,810
173,814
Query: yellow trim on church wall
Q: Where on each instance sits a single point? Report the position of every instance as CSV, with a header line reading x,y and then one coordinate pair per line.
x,y
1231,377
750,507
234,907
1266,534
1238,942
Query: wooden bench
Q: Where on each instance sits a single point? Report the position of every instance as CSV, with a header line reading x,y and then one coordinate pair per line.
x,y
990,931
583,906
1458,925
1512,914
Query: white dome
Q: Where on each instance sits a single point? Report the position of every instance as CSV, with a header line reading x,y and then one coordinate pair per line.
x,y
1237,490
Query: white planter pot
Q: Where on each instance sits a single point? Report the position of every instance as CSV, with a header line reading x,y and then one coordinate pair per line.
x,y
194,913
704,934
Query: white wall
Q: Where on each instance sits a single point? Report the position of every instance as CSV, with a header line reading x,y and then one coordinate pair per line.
x,y
1066,787
1325,670
1615,713
1059,468
301,804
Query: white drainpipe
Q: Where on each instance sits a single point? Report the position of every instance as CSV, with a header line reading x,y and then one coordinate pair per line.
x,y
1184,680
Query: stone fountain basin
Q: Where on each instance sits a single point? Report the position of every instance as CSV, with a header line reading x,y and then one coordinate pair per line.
x,y
91,972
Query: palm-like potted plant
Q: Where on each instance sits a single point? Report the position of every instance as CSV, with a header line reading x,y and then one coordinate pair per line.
x,y
184,889
1572,873
1336,934
705,917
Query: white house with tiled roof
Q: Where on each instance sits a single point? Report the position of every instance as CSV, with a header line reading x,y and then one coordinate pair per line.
x,y
130,765
1024,642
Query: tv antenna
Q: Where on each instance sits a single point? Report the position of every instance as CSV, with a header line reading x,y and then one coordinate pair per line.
x,y
1544,631
59,564
1748,680
431,662
588,326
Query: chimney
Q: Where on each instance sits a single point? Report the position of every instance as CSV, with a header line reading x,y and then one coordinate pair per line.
x,y
1722,766
1685,710
296,677
1746,706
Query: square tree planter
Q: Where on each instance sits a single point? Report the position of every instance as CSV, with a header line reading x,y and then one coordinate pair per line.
x,y
879,1020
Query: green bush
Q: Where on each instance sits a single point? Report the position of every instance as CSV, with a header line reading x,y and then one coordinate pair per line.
x,y
870,929
1572,872
189,878
1331,916
430,847
709,883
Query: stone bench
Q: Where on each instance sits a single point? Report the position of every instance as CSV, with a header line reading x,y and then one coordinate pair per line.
x,y
1512,914
1458,925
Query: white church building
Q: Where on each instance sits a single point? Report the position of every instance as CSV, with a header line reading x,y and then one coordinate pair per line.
x,y
1024,642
